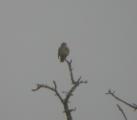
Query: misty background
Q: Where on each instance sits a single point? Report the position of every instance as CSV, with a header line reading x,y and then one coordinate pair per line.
x,y
102,37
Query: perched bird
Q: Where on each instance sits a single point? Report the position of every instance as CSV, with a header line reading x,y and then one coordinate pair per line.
x,y
63,52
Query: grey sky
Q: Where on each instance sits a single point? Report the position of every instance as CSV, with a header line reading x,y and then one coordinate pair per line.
x,y
102,36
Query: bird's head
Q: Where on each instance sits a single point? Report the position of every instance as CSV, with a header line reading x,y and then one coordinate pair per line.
x,y
64,44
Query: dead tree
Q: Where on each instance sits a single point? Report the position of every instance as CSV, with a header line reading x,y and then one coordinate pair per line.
x,y
69,93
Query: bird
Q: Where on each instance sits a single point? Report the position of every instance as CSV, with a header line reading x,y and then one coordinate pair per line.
x,y
63,52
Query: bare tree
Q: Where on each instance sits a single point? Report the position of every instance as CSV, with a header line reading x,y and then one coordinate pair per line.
x,y
69,93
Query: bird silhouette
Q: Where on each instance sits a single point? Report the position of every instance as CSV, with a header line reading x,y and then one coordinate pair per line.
x,y
63,52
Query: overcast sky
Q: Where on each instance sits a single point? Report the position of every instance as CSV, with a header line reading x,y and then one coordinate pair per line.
x,y
102,37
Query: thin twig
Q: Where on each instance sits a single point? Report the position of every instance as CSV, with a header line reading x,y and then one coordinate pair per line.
x,y
42,86
112,93
70,70
122,111
50,88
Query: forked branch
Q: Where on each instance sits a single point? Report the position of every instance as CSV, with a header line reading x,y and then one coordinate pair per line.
x,y
53,89
72,89
69,93
112,93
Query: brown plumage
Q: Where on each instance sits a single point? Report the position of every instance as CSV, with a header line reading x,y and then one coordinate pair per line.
x,y
63,52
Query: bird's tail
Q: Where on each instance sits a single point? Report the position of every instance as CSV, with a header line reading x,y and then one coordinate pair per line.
x,y
62,59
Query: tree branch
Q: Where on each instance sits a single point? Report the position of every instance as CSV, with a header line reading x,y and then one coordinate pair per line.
x,y
69,93
73,88
54,89
122,111
70,71
112,93
43,86
71,110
